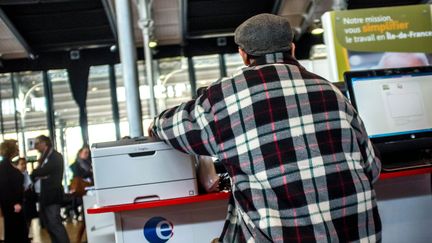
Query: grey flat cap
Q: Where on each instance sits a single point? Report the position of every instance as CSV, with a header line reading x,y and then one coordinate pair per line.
x,y
264,33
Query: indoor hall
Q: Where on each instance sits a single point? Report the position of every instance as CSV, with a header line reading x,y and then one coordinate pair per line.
x,y
62,75
41,236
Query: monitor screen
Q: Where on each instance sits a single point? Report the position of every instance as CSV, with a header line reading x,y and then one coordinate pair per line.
x,y
394,104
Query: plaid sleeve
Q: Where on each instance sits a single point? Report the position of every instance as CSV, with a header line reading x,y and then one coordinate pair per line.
x,y
188,127
372,163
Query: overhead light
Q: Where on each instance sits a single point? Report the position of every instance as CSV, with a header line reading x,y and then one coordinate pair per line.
x,y
152,44
33,56
317,31
317,27
94,89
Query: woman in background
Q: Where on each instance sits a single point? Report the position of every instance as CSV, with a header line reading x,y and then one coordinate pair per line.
x,y
82,176
82,166
12,195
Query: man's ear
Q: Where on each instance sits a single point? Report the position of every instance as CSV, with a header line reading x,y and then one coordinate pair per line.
x,y
244,56
293,50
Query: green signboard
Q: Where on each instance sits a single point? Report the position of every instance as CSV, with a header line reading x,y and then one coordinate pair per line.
x,y
396,29
404,29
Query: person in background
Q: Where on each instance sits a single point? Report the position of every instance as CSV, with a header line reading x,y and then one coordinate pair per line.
x,y
50,173
30,197
82,167
83,172
402,59
300,160
21,165
12,195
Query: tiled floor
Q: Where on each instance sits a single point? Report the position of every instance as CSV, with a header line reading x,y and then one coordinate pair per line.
x,y
41,235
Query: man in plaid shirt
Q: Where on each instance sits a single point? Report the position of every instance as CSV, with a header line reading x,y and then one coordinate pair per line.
x,y
300,160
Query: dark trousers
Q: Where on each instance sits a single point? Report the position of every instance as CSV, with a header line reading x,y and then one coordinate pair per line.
x,y
50,215
15,228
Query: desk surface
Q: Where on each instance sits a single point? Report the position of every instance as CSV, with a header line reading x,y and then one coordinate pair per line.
x,y
222,195
394,174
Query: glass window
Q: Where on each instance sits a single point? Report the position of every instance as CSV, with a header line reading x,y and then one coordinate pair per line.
x,y
65,108
66,114
206,69
99,109
234,63
99,106
31,108
173,83
31,100
171,87
121,100
8,108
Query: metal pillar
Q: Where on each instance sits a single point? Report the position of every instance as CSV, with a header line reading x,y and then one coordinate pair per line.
x,y
192,77
2,130
128,60
49,101
114,103
146,25
222,66
14,96
64,153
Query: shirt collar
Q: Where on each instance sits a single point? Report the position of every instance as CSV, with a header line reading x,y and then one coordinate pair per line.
x,y
277,57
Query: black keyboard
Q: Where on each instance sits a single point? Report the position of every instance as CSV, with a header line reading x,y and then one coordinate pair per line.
x,y
409,159
395,166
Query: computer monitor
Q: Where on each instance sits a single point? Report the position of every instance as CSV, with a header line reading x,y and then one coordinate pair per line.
x,y
395,105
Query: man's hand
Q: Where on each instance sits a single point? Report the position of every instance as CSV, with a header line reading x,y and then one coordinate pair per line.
x,y
17,208
150,130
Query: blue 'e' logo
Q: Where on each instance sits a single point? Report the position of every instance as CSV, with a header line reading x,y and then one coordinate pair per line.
x,y
158,230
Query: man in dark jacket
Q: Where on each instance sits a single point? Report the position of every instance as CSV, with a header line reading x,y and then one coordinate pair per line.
x,y
50,173
300,160
11,195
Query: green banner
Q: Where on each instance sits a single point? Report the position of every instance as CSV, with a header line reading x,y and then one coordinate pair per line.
x,y
392,29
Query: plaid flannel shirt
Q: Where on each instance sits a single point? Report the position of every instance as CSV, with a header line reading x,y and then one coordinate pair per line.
x,y
300,161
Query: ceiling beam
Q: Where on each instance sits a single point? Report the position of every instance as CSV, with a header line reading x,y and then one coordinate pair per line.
x,y
24,2
109,10
276,6
17,35
184,22
60,60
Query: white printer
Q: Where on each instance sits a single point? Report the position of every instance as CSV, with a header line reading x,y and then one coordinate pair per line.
x,y
141,169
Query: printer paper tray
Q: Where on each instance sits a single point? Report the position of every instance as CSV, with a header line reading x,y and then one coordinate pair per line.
x,y
130,194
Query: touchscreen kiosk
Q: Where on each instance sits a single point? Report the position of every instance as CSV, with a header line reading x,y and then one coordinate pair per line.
x,y
396,108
